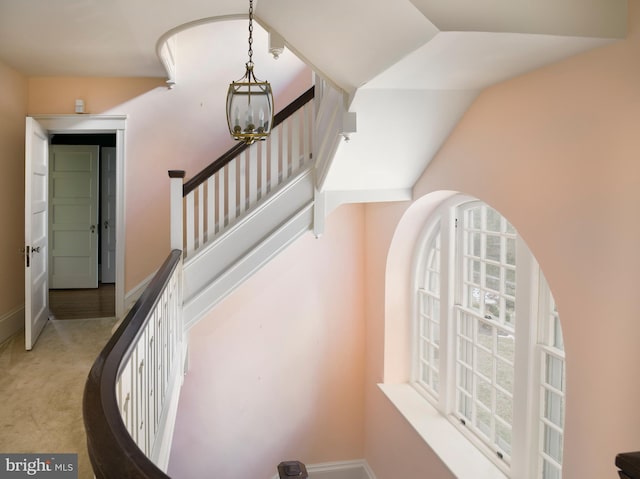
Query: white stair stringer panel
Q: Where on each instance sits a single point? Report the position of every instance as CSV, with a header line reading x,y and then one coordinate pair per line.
x,y
220,267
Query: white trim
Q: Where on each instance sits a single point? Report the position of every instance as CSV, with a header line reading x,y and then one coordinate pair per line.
x,y
11,323
134,294
335,198
102,124
449,444
356,469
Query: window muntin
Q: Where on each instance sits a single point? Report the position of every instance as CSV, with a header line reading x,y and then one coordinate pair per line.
x,y
471,348
552,388
428,374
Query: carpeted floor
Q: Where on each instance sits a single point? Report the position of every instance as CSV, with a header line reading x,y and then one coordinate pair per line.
x,y
41,390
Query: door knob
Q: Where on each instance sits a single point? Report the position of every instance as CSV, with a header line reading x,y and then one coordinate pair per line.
x,y
93,228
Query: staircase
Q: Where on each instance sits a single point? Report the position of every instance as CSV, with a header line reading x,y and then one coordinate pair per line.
x,y
256,201
226,222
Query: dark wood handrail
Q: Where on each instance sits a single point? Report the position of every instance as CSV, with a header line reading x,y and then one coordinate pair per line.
x,y
221,162
112,450
629,465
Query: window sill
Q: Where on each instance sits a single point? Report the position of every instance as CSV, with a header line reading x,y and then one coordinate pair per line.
x,y
457,453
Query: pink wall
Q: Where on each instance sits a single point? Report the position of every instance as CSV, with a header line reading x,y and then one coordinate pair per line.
x,y
556,151
276,369
13,101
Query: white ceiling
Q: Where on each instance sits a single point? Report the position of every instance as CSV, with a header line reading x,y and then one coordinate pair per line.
x,y
420,61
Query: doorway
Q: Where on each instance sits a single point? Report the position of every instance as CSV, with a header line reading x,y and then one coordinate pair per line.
x,y
82,223
46,126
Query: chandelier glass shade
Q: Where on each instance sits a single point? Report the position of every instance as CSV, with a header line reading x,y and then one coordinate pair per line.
x,y
249,101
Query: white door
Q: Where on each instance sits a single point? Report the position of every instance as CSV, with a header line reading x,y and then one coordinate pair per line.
x,y
36,290
73,222
108,213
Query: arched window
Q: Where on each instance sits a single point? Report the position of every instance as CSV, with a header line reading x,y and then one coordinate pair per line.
x,y
488,351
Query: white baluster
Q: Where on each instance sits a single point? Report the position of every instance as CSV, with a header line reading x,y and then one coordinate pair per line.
x,y
243,162
221,196
200,214
308,128
274,169
211,207
231,193
263,147
286,150
177,178
190,224
253,175
295,141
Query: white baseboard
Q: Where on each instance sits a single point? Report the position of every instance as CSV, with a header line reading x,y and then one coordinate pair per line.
x,y
132,296
358,469
11,323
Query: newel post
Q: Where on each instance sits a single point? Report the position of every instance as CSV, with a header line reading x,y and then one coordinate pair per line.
x,y
177,180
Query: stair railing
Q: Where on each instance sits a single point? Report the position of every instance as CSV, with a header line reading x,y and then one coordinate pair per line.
x,y
215,198
131,394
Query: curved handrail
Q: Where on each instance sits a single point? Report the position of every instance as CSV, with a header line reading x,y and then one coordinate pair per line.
x,y
234,151
112,450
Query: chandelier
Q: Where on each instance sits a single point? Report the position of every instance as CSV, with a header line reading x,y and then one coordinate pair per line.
x,y
249,101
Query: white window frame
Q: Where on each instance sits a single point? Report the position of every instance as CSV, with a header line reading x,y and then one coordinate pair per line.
x,y
525,459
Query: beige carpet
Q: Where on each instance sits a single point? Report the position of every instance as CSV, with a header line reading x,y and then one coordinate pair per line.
x,y
41,390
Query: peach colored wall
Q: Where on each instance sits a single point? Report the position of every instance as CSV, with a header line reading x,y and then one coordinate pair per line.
x,y
57,95
277,368
556,151
392,447
13,102
184,128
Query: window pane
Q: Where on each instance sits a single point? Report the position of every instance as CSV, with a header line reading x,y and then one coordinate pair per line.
x,y
465,380
483,422
553,443
510,282
504,376
465,352
555,372
494,220
504,406
554,410
511,251
464,406
485,335
485,363
466,326
503,438
483,393
474,218
506,347
510,313
549,471
474,268
493,248
493,277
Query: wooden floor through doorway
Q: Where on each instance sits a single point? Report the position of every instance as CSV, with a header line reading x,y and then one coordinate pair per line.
x,y
99,302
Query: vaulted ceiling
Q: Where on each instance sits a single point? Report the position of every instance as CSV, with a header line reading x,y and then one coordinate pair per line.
x,y
410,67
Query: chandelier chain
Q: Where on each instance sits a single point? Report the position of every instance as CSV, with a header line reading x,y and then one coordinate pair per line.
x,y
250,31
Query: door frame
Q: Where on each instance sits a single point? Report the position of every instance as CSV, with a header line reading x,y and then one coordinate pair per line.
x,y
115,124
